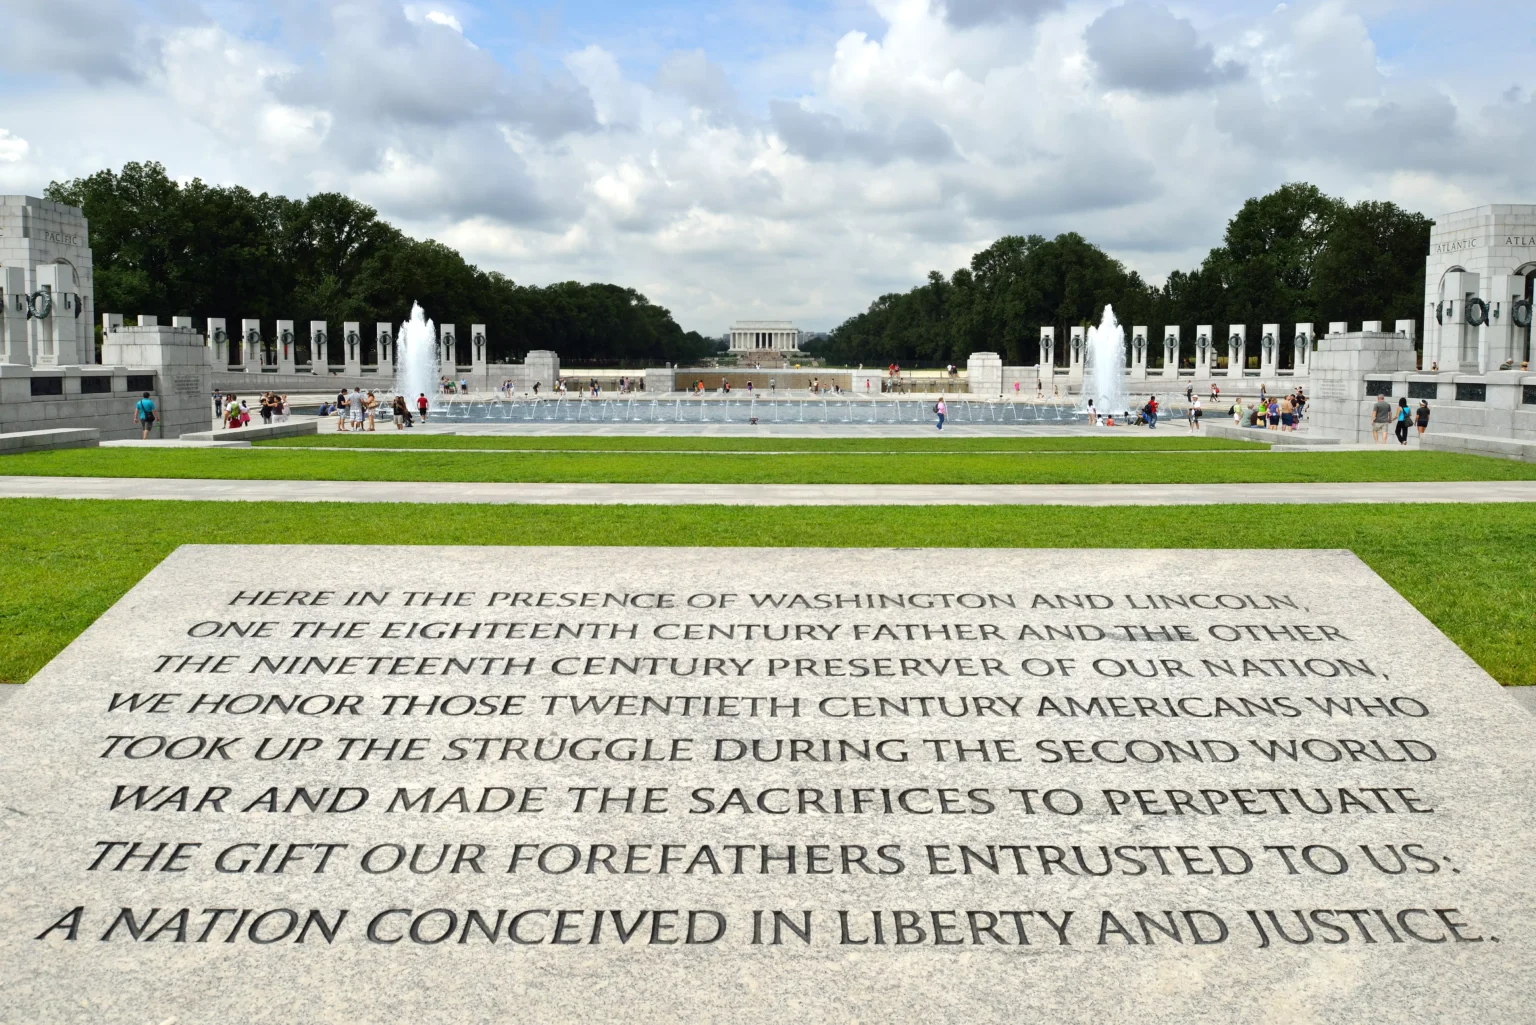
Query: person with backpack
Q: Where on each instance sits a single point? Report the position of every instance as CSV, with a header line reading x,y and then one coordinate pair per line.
x,y
940,408
1151,411
144,413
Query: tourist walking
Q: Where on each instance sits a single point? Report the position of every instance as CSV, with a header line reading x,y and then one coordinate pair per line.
x,y
144,413
218,404
355,404
398,409
370,408
1195,412
245,413
1421,416
341,410
1273,415
1287,414
1237,412
1404,418
1151,411
1381,419
283,409
266,409
941,409
421,406
1093,415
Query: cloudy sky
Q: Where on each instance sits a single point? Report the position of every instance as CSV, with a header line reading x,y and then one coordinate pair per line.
x,y
781,158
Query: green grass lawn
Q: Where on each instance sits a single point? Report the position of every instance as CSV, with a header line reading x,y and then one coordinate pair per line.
x,y
1467,567
1126,441
811,468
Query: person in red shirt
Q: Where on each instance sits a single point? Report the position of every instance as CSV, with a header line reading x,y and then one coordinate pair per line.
x,y
421,406
1152,413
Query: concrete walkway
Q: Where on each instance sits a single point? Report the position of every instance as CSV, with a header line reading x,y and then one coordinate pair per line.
x,y
762,494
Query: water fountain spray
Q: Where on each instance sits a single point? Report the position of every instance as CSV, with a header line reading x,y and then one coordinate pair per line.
x,y
416,358
1104,366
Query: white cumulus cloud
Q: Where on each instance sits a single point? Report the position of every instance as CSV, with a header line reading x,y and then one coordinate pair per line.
x,y
902,142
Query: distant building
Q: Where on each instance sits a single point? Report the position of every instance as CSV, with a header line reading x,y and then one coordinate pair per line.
x,y
757,339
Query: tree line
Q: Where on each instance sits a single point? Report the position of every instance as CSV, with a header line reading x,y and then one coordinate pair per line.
x,y
199,250
1295,255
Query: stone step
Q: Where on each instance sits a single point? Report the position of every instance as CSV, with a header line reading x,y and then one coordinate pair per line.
x,y
1478,444
255,432
1216,428
52,438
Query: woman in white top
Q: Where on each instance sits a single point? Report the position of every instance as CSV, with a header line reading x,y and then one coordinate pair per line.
x,y
1194,415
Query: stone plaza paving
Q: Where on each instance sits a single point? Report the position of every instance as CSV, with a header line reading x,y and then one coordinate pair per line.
x,y
180,489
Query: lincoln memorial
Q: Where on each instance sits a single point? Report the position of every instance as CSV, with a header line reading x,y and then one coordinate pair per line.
x,y
764,340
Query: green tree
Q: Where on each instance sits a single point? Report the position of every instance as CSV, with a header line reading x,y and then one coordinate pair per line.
x,y
200,250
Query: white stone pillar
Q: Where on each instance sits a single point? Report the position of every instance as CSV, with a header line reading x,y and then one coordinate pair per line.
x,y
984,374
250,346
384,352
45,351
110,323
13,329
1269,351
1301,349
447,359
479,356
71,333
1237,349
286,342
218,342
61,328
1409,330
1171,353
1076,353
1496,336
352,347
85,333
1373,326
1205,351
1455,353
1141,346
319,348
1338,327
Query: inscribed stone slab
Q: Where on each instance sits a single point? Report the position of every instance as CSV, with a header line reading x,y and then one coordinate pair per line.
x,y
393,784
